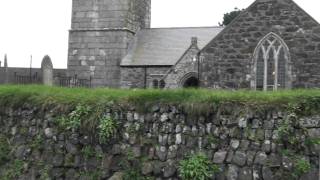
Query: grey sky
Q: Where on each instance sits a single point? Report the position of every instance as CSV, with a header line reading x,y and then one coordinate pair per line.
x,y
40,27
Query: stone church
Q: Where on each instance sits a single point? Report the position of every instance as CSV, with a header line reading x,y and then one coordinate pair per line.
x,y
273,44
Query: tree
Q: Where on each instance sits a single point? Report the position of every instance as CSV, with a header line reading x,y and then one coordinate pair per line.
x,y
228,17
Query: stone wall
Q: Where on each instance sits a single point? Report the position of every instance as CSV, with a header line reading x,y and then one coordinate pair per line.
x,y
229,57
245,143
98,54
187,64
111,14
140,77
99,37
155,73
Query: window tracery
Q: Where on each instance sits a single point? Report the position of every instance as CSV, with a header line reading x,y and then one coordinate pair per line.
x,y
271,64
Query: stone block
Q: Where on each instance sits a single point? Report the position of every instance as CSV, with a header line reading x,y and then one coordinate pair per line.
x,y
219,157
260,158
161,153
239,158
245,174
234,144
232,173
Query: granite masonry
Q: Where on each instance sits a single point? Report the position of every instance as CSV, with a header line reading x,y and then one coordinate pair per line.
x,y
99,36
246,143
232,59
271,45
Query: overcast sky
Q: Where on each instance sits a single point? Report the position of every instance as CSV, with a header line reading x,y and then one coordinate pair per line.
x,y
40,27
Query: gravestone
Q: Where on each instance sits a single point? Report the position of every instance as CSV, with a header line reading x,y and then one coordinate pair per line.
x,y
47,71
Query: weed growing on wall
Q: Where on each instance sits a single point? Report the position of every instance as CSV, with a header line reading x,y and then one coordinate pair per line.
x,y
45,173
14,170
73,120
84,116
301,166
286,131
197,167
37,142
95,174
107,128
132,166
312,141
88,152
294,137
4,150
135,174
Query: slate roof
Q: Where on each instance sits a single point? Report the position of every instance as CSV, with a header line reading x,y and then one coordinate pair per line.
x,y
165,46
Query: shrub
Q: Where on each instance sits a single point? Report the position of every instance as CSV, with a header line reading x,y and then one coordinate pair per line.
x,y
107,128
197,167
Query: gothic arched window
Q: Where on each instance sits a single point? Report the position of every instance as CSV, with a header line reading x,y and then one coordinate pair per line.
x,y
272,69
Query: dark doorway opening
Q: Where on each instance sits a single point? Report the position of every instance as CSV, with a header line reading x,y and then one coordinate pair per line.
x,y
191,82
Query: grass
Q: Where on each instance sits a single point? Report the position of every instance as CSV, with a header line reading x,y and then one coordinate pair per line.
x,y
14,95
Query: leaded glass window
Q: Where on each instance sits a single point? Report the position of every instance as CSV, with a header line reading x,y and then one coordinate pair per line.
x,y
271,63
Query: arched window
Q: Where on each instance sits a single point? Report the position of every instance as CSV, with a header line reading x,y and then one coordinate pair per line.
x,y
272,68
162,84
155,84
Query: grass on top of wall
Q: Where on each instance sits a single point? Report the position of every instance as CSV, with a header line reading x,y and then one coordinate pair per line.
x,y
12,95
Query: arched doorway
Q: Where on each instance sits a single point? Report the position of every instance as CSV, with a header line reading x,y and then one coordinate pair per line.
x,y
190,80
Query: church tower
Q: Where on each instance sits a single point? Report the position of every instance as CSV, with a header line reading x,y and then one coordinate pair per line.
x,y
100,33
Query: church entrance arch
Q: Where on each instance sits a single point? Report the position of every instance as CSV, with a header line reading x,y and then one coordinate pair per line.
x,y
190,80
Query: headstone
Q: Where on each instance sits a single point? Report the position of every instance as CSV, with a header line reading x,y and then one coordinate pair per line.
x,y
6,69
5,61
47,71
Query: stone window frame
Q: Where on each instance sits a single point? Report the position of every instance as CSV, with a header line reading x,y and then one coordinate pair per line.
x,y
288,63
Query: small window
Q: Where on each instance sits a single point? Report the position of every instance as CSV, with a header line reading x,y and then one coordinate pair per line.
x,y
162,84
155,84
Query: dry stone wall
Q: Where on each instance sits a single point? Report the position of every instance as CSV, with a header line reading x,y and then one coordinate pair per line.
x,y
244,144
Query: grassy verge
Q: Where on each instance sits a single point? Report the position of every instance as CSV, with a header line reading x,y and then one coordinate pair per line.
x,y
11,95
